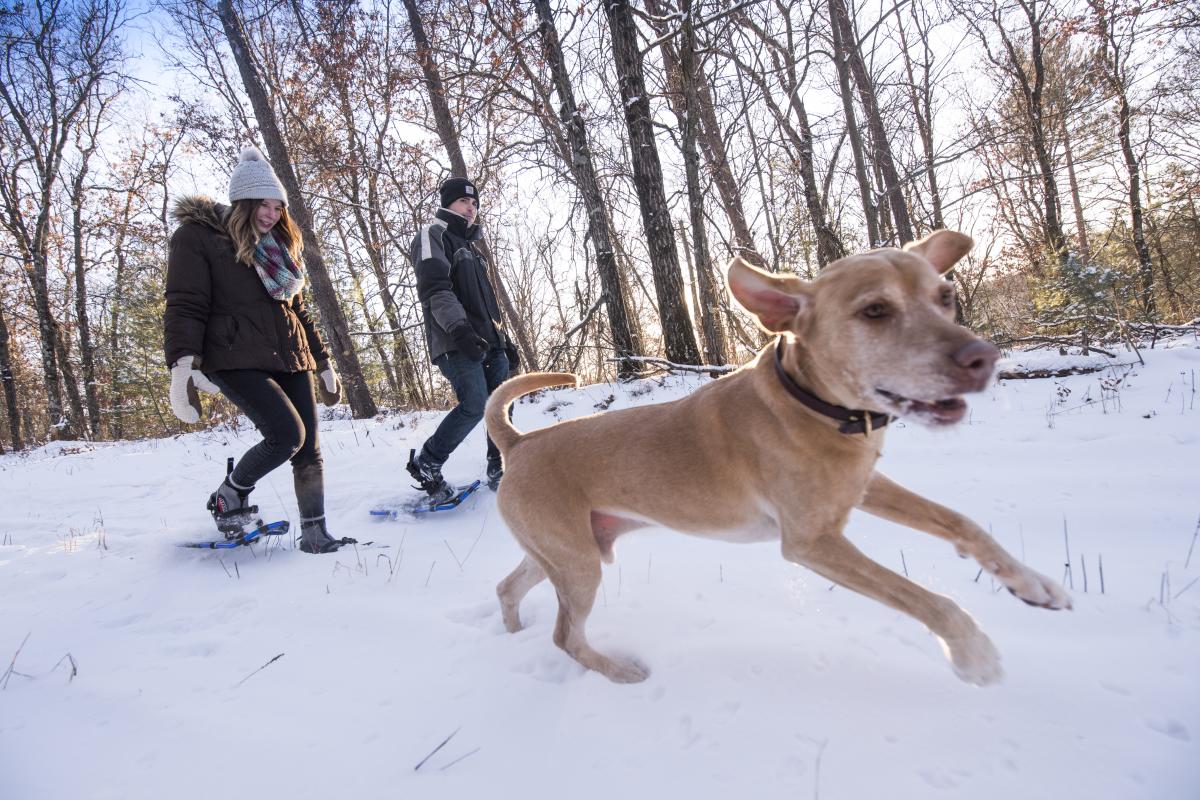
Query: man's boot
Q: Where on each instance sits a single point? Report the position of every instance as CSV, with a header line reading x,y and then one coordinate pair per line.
x,y
495,471
429,477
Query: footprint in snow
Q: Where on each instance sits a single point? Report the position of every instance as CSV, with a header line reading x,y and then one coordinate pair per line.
x,y
478,615
1170,727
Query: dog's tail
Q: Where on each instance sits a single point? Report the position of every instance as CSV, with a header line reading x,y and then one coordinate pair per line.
x,y
500,428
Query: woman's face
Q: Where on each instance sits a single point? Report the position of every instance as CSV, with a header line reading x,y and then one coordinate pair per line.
x,y
266,215
465,207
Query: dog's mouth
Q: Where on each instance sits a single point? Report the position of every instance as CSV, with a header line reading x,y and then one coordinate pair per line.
x,y
946,411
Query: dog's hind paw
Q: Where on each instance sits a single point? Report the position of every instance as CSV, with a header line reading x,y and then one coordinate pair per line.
x,y
621,669
974,659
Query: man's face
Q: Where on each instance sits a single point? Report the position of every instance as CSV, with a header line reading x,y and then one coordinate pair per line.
x,y
466,207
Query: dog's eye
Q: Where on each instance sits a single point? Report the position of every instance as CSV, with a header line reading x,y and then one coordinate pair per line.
x,y
876,311
948,298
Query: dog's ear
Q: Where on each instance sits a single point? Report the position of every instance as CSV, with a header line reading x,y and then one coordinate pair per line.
x,y
775,300
942,248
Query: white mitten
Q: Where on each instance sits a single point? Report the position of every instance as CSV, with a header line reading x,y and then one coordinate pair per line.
x,y
185,380
328,386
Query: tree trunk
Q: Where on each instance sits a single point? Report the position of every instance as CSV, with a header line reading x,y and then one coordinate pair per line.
x,y
62,346
402,377
11,399
116,413
678,336
336,326
882,151
1032,92
1114,62
437,92
1085,253
857,148
922,103
87,348
61,426
710,322
584,171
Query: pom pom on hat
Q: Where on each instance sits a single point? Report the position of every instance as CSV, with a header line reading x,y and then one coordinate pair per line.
x,y
253,179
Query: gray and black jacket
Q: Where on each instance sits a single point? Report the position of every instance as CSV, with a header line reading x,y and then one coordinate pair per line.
x,y
452,283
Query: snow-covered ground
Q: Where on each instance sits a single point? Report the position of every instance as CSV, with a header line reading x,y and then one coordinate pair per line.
x,y
766,681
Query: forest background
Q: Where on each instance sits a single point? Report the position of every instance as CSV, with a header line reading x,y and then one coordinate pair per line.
x,y
624,151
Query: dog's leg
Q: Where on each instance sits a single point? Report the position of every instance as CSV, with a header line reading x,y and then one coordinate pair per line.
x,y
888,499
973,656
513,589
576,583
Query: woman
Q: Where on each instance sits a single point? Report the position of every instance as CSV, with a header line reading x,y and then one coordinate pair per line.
x,y
235,311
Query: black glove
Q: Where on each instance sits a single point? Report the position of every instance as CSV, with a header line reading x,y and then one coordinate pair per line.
x,y
514,358
468,342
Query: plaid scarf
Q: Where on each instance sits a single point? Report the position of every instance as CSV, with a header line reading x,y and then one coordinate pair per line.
x,y
280,274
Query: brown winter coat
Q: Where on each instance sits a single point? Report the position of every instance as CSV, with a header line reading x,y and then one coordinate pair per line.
x,y
218,309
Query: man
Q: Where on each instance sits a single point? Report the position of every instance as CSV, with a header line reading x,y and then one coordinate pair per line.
x,y
463,329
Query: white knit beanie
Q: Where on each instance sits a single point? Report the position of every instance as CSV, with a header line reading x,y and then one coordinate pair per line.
x,y
253,179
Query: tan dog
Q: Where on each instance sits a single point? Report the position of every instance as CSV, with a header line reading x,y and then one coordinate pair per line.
x,y
773,451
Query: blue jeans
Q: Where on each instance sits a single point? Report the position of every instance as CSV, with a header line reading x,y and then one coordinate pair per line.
x,y
473,382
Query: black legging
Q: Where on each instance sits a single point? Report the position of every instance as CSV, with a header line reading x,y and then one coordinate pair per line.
x,y
283,406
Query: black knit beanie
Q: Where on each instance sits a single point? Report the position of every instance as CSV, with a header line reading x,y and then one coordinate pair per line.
x,y
454,188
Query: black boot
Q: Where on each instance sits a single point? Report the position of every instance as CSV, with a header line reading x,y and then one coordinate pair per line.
x,y
231,509
315,539
495,471
429,476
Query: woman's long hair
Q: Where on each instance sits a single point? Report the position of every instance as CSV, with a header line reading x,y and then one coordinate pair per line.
x,y
240,225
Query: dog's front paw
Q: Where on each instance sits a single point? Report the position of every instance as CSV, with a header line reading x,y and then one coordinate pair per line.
x,y
1034,588
974,658
629,670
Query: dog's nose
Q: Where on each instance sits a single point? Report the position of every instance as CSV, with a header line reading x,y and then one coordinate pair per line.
x,y
978,359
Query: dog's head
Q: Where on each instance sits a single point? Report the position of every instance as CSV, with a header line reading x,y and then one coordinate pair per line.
x,y
876,331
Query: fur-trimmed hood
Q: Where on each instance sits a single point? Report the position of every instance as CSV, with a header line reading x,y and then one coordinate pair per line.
x,y
220,310
201,210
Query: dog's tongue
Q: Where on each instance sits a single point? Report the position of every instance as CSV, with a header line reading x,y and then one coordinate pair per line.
x,y
947,411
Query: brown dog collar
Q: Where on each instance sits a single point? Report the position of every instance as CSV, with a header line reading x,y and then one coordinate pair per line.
x,y
852,421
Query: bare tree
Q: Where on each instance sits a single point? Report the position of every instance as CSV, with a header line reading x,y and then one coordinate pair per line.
x,y
678,335
708,133
881,148
86,144
919,75
351,57
57,55
12,400
1115,26
458,165
789,61
858,149
596,207
708,306
333,319
1002,27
